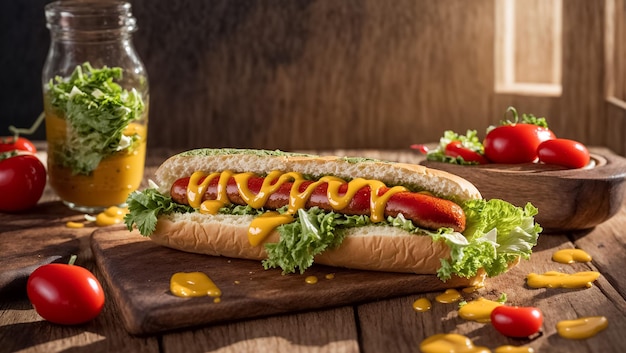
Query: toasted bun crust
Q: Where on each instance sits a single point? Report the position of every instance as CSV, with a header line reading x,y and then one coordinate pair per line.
x,y
368,248
439,183
365,248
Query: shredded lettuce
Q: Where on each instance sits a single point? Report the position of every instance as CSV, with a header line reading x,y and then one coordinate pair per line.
x,y
497,233
98,110
313,232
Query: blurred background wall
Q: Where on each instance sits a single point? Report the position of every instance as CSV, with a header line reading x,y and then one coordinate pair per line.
x,y
322,74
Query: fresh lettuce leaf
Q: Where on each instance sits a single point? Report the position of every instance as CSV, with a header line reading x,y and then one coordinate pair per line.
x,y
144,207
497,234
313,232
98,110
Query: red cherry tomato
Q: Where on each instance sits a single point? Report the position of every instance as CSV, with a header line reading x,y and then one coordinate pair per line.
x,y
22,180
515,143
563,152
516,321
65,294
10,143
456,149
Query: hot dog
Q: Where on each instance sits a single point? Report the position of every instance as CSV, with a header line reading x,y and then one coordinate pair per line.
x,y
422,209
290,210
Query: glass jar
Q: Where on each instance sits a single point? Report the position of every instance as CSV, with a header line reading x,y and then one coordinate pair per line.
x,y
96,100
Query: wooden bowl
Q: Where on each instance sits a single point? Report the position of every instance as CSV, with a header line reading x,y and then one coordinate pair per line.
x,y
567,199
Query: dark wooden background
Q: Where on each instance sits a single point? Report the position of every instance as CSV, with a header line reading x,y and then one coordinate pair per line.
x,y
327,74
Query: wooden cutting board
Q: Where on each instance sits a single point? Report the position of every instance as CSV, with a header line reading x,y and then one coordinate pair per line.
x,y
138,273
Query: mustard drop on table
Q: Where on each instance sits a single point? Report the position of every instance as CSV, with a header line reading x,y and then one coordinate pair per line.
x,y
554,279
584,327
568,256
193,284
450,343
71,224
421,305
449,296
111,216
514,349
478,310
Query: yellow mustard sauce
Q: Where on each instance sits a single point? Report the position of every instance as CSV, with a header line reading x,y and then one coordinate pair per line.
x,y
478,310
330,276
72,224
554,279
450,343
568,256
194,284
261,227
514,349
310,279
110,183
421,305
472,289
449,296
581,328
111,216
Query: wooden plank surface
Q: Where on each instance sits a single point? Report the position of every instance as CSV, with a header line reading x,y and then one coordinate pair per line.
x,y
324,331
138,272
607,245
404,329
385,325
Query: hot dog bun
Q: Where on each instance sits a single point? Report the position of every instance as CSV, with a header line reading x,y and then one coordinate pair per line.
x,y
370,247
438,182
366,248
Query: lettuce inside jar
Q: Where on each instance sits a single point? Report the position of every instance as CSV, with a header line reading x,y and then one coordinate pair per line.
x,y
96,132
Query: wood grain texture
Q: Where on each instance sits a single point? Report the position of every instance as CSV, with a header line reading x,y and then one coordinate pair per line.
x,y
352,74
606,244
324,331
325,74
315,74
138,272
44,226
404,329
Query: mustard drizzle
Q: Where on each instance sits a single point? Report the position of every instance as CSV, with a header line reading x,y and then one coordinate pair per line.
x,y
261,227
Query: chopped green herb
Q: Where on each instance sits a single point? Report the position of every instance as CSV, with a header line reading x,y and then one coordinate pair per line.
x,y
98,110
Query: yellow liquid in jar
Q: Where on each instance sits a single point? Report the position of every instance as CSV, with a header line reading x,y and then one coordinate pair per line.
x,y
109,184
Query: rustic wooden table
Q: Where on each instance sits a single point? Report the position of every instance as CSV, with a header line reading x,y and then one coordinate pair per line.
x,y
389,325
